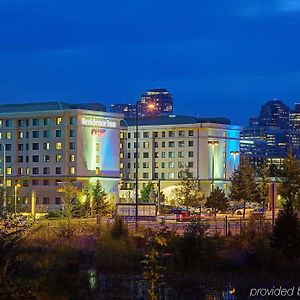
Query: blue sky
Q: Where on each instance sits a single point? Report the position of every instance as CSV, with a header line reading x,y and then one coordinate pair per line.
x,y
218,58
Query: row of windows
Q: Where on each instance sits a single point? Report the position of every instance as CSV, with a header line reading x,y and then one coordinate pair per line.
x,y
35,134
170,154
156,134
171,165
169,175
36,171
36,146
37,158
171,144
36,122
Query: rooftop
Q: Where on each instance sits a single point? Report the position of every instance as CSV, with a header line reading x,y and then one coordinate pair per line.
x,y
173,120
48,106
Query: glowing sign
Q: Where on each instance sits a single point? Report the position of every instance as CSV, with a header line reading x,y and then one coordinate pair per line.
x,y
98,122
99,132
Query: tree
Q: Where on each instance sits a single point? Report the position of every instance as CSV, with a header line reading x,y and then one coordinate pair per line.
x,y
100,203
289,178
188,191
148,193
243,185
217,200
263,185
286,233
69,193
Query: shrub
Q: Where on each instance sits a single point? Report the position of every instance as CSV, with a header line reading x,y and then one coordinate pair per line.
x,y
286,233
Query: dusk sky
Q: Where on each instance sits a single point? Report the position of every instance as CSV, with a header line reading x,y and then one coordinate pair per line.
x,y
218,58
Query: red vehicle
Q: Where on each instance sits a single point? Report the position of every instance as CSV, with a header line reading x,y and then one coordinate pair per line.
x,y
186,216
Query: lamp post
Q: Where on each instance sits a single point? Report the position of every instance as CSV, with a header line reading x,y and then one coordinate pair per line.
x,y
150,106
212,144
234,154
4,174
136,162
16,195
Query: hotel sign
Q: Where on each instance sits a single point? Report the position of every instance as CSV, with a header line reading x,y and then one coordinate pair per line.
x,y
98,122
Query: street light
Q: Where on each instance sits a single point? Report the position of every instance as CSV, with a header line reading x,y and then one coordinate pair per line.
x,y
212,144
150,106
4,174
16,195
234,154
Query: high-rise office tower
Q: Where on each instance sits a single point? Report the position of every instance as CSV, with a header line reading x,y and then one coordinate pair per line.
x,y
161,101
274,113
295,128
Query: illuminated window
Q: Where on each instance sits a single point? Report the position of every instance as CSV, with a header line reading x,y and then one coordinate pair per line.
x,y
27,171
121,165
156,165
46,146
8,182
97,171
58,146
97,146
0,123
21,135
0,135
121,135
146,145
224,154
20,171
8,135
121,145
97,159
72,157
224,134
122,155
224,165
8,171
224,186
72,170
58,157
58,121
224,175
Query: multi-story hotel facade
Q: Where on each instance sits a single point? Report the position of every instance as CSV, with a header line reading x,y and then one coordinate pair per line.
x,y
168,144
49,143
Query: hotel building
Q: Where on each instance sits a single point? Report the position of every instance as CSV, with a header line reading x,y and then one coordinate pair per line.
x,y
53,142
168,144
